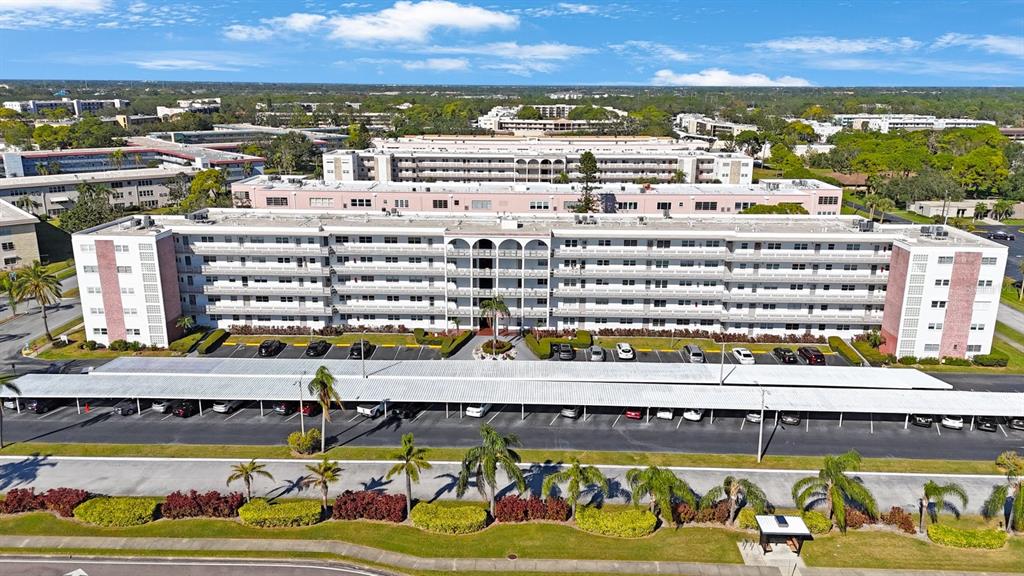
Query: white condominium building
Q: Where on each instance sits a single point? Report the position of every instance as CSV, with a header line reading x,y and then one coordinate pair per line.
x,y
701,125
887,122
554,118
624,160
75,107
750,275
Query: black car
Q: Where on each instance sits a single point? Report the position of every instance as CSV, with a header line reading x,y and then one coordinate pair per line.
x,y
270,348
1000,235
185,408
985,423
40,405
922,420
317,348
785,356
360,350
565,352
404,411
811,355
126,407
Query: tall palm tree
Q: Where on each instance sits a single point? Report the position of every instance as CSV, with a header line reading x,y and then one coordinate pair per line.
x,y
833,488
934,498
740,492
36,283
494,308
321,476
1011,464
884,205
26,203
575,476
411,461
481,463
185,323
9,287
247,472
6,386
322,388
1020,268
662,486
117,158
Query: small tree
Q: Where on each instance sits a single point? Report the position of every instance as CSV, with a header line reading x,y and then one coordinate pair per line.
x,y
185,323
247,472
9,287
834,489
662,486
934,498
1011,464
588,178
322,388
980,210
678,177
740,492
494,308
321,476
481,464
411,461
36,283
575,477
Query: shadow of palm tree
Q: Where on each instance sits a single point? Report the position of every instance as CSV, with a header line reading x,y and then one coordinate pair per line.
x,y
449,486
616,491
25,471
293,486
536,474
375,484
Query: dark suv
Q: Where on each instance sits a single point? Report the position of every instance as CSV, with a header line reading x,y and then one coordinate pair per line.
x,y
185,408
1000,235
360,350
270,348
317,348
40,405
784,356
811,355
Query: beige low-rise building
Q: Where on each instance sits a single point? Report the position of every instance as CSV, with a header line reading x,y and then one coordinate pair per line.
x,y
18,243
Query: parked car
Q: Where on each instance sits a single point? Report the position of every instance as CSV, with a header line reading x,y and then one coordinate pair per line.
x,y
270,348
693,414
922,420
226,406
986,423
317,348
753,417
572,412
309,408
693,353
811,355
360,350
624,351
790,418
40,405
565,351
635,413
370,410
743,356
477,410
404,411
185,408
953,422
13,403
1016,423
1000,235
595,354
665,414
126,407
785,355
162,406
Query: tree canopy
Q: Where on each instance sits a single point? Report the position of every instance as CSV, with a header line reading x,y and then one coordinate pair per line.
x,y
91,209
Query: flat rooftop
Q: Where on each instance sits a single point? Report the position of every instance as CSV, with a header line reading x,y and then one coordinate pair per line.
x,y
11,215
104,176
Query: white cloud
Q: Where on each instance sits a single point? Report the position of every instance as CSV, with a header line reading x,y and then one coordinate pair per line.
x,y
437,64
719,77
991,43
67,5
416,21
525,68
297,22
578,8
647,50
834,45
514,50
242,32
202,60
137,7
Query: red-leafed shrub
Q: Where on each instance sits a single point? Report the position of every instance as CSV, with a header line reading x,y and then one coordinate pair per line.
x,y
557,509
516,509
684,513
899,518
855,519
63,501
369,505
717,513
510,509
192,504
535,509
21,500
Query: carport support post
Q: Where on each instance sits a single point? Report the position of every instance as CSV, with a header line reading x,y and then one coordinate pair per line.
x,y
200,407
906,420
138,406
840,419
522,412
648,414
77,405
261,408
972,423
445,410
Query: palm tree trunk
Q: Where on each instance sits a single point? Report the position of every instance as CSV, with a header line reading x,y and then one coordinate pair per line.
x,y
324,489
2,425
572,509
46,325
323,431
248,489
920,516
491,498
408,495
732,511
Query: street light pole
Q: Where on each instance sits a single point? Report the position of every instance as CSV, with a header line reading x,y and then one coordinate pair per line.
x,y
760,432
302,418
362,352
721,366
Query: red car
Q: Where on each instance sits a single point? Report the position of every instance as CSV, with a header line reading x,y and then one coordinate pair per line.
x,y
811,355
309,408
635,413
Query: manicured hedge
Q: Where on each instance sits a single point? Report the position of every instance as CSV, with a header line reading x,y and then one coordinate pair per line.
x,y
844,350
952,361
304,443
449,519
632,522
907,360
212,341
258,512
185,343
995,359
515,509
192,504
540,348
987,538
747,518
452,345
63,501
369,505
117,512
21,500
817,523
872,354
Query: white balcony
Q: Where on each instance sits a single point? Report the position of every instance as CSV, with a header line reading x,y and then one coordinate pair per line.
x,y
639,292
253,309
389,249
266,248
638,272
389,288
646,252
359,308
824,296
600,311
282,289
403,269
454,272
261,269
818,256
808,276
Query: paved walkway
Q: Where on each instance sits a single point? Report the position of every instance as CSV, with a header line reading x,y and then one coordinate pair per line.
x,y
1011,317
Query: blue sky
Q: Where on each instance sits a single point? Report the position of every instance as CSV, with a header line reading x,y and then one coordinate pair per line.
x,y
645,42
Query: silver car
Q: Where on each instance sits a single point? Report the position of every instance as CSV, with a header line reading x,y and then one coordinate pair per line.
x,y
595,354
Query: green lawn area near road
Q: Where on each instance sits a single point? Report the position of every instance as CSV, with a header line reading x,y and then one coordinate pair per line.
x,y
343,340
644,343
57,331
726,462
1010,296
886,550
73,352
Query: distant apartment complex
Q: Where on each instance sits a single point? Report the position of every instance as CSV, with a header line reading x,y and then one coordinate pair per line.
x,y
554,118
458,198
197,106
701,125
484,159
74,106
887,122
236,134
753,275
19,245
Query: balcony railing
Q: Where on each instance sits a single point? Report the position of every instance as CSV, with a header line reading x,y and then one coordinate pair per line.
x,y
282,289
502,273
638,272
405,269
257,310
645,252
268,248
261,269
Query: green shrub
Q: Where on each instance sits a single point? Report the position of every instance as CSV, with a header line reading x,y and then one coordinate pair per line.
x,y
119,345
583,339
928,361
304,443
907,360
995,359
632,522
117,512
540,348
747,519
212,341
449,519
987,538
419,334
502,347
817,523
452,345
186,343
258,512
844,350
871,354
953,361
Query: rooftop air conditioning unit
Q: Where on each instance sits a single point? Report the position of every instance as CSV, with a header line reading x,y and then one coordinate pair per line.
x,y
926,230
941,232
866,225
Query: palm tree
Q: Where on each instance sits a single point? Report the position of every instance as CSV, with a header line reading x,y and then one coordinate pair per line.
x,y
38,284
185,323
494,308
411,461
117,158
322,475
1002,209
980,210
1011,464
833,488
870,202
26,203
662,486
576,476
934,498
740,492
42,169
884,205
247,472
6,386
1020,268
678,177
482,462
9,287
322,388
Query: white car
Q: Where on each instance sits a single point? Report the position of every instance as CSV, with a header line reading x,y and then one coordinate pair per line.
x,y
665,414
370,410
624,351
595,354
477,410
226,406
572,412
743,356
162,406
953,422
754,417
693,414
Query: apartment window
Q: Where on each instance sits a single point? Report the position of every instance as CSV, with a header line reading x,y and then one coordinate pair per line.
x,y
947,259
629,262
985,283
7,246
99,331
660,303
850,267
944,282
440,204
263,299
938,303
603,262
705,206
539,205
977,327
663,244
90,269
130,290
401,203
773,246
664,205
629,243
931,347
740,206
626,206
800,246
361,202
935,326
96,311
93,290
480,204
415,240
124,269
277,201
828,200
571,243
974,347
604,242
366,239
989,261
391,239
321,202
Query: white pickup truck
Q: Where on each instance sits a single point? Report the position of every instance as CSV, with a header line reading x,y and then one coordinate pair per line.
x,y
370,410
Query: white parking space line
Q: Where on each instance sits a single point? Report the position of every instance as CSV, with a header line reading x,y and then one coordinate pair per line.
x,y
235,413
1003,431
169,414
938,428
678,423
421,413
41,416
354,417
496,412
616,420
742,422
552,423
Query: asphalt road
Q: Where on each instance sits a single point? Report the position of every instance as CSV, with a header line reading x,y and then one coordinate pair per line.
x,y
16,332
1015,254
32,566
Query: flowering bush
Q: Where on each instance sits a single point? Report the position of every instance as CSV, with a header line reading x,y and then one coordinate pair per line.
x,y
369,505
718,513
684,513
212,504
449,519
856,519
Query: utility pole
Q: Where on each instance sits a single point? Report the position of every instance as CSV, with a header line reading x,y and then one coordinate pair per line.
x,y
302,418
362,352
760,432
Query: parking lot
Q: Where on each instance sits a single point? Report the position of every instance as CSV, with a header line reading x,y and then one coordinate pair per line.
x,y
381,352
678,356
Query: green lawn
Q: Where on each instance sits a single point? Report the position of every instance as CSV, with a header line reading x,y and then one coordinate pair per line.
x,y
912,216
73,352
708,346
1010,296
885,550
56,331
343,340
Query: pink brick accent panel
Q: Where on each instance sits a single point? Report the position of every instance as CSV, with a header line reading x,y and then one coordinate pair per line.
x,y
899,265
169,285
110,285
963,286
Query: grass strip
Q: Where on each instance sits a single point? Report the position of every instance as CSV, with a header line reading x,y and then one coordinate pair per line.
x,y
57,331
889,551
